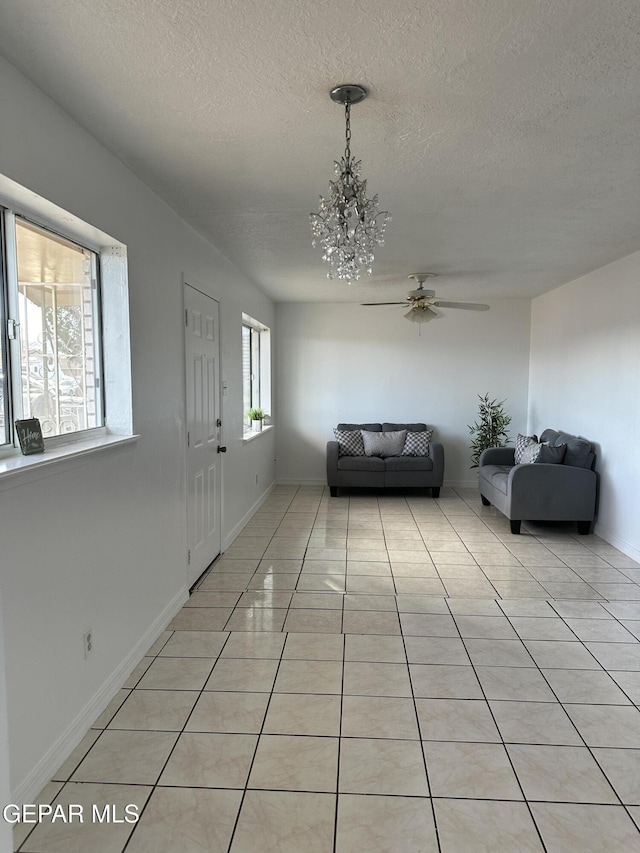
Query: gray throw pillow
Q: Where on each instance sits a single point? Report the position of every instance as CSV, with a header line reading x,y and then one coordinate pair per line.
x,y
384,443
551,455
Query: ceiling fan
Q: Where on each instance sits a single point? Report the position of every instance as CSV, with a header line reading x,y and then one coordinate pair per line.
x,y
421,302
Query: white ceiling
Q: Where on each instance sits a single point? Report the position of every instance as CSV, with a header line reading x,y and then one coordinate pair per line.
x,y
502,135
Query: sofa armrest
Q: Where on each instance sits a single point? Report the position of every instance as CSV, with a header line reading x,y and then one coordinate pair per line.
x,y
436,454
552,492
332,462
498,456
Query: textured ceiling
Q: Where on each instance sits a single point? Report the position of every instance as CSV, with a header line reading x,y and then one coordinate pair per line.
x,y
502,135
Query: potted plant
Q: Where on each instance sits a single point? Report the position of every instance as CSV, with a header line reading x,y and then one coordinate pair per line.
x,y
256,416
490,430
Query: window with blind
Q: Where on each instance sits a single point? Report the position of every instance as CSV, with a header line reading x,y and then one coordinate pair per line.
x,y
256,369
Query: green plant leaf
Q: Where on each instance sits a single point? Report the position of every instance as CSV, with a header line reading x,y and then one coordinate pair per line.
x,y
490,428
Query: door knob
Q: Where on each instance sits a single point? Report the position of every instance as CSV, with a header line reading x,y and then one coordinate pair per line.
x,y
222,449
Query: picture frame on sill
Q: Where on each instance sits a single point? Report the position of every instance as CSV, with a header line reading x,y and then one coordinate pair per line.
x,y
29,432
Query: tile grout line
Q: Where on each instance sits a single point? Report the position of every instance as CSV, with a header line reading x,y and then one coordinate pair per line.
x,y
504,746
561,704
422,750
155,785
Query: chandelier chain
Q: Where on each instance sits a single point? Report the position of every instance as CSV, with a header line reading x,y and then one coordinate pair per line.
x,y
347,133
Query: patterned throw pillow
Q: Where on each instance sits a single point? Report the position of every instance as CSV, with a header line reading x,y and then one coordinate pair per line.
x,y
417,443
522,442
530,453
349,442
384,443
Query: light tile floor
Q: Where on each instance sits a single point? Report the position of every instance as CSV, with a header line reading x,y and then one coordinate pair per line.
x,y
377,674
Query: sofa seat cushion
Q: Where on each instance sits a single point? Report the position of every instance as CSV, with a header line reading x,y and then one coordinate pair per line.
x,y
409,463
497,476
360,463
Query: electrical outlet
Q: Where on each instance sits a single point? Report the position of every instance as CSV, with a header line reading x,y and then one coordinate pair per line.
x,y
87,642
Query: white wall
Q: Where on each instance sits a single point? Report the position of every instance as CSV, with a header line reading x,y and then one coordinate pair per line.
x,y
344,362
585,379
6,835
103,543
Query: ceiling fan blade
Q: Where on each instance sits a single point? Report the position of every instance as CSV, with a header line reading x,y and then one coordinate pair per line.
x,y
469,306
384,303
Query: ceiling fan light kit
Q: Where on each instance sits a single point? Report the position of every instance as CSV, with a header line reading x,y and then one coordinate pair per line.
x,y
348,225
420,314
421,302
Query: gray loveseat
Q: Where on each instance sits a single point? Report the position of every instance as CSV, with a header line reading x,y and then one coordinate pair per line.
x,y
393,471
542,491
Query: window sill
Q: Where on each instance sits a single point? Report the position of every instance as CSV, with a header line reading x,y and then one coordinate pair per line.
x,y
17,470
249,435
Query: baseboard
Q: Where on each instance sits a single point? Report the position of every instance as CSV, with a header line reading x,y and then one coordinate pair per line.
x,y
462,484
622,545
235,532
297,481
30,787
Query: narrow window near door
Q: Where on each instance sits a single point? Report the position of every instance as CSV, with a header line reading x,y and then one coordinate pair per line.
x,y
256,369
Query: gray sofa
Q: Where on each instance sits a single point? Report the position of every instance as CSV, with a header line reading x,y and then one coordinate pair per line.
x,y
542,492
394,471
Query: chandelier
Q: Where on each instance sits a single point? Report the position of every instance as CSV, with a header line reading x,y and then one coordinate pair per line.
x,y
348,225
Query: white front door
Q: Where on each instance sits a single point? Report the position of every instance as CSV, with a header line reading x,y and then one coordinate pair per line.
x,y
203,431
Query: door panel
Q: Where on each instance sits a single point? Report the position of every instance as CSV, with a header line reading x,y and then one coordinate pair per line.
x,y
202,350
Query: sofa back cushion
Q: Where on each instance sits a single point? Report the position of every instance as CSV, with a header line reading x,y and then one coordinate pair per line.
x,y
368,427
579,452
408,427
384,444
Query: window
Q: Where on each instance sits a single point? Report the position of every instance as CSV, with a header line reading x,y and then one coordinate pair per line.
x,y
51,340
4,395
256,368
65,353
